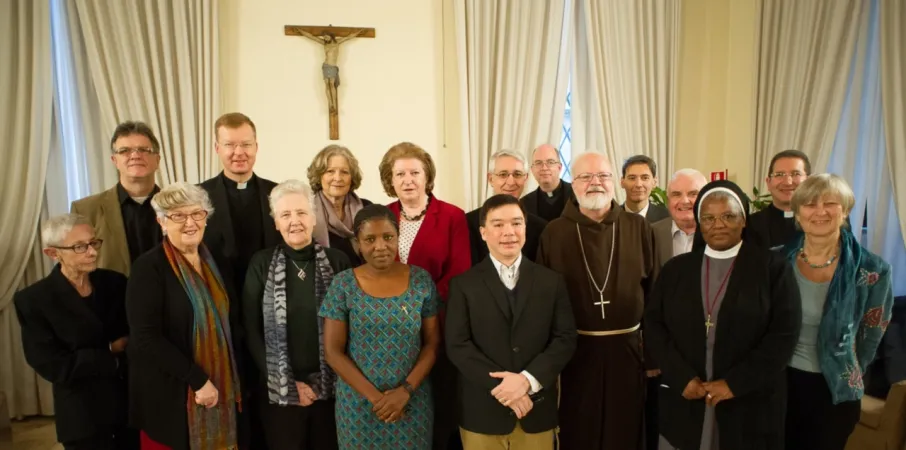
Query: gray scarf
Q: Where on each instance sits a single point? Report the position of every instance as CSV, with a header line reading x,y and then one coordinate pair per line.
x,y
281,383
329,222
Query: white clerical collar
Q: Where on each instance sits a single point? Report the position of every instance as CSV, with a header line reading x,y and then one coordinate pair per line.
x,y
499,265
788,214
723,254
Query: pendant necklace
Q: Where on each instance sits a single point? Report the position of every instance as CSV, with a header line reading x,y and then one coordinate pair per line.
x,y
709,303
613,242
301,273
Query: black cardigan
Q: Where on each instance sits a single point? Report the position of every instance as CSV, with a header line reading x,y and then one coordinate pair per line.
x,y
161,345
757,330
67,343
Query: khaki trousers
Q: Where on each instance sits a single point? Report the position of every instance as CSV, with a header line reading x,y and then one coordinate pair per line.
x,y
517,440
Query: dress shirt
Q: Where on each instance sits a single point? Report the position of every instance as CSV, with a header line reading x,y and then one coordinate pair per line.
x,y
682,242
509,276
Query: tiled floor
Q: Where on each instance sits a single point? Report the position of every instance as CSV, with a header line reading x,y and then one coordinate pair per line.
x,y
36,433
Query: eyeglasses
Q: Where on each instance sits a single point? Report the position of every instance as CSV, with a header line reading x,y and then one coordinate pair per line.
x,y
780,176
725,218
546,163
587,177
503,176
82,248
197,216
246,146
126,151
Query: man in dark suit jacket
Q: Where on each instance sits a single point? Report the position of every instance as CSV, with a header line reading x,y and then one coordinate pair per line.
x,y
241,224
639,179
506,175
122,215
510,332
74,333
548,201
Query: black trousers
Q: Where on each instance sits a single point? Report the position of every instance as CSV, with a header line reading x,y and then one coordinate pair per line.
x,y
812,420
299,427
651,432
443,385
110,438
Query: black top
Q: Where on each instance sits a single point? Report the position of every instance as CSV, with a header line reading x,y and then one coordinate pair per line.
x,y
161,347
492,329
66,340
769,228
757,329
548,206
246,213
534,225
142,230
301,307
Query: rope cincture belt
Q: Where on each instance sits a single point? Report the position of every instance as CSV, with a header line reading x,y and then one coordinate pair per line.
x,y
609,332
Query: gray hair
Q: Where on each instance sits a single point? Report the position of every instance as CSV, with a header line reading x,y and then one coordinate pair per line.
x,y
290,187
178,195
691,173
55,229
505,152
816,186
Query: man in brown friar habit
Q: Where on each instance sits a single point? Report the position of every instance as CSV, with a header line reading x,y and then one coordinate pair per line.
x,y
608,258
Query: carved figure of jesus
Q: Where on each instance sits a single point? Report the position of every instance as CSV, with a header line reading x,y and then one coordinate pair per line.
x,y
329,69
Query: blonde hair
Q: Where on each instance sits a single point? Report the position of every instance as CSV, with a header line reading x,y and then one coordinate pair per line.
x,y
290,187
232,121
178,195
406,150
816,186
319,166
55,229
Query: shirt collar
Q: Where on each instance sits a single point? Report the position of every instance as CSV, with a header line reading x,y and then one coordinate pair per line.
x,y
676,229
498,265
122,195
723,254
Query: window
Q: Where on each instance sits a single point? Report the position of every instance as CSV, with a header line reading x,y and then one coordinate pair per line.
x,y
566,148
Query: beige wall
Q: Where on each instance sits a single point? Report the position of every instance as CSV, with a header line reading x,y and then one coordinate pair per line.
x,y
392,87
717,86
403,85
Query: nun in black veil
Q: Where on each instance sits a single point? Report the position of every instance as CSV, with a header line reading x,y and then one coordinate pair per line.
x,y
722,322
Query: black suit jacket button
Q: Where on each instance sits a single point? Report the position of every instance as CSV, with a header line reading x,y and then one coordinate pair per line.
x,y
515,349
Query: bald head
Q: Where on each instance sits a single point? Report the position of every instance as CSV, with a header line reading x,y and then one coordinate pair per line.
x,y
592,180
682,190
545,164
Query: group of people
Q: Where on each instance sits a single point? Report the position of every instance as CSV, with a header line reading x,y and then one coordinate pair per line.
x,y
242,313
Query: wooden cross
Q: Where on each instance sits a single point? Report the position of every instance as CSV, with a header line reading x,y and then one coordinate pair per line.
x,y
330,37
602,303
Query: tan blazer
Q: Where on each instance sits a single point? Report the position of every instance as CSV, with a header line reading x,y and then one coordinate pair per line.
x,y
104,213
663,239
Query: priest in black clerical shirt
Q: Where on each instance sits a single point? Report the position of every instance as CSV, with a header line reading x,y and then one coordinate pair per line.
x,y
773,226
548,201
241,224
506,175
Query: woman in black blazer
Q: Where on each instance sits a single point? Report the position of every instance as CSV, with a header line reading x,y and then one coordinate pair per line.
x,y
334,175
184,383
74,333
721,324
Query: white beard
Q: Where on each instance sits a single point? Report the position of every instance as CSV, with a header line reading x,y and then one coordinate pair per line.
x,y
594,202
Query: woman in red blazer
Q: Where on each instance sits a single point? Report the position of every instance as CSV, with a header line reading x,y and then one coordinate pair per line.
x,y
435,237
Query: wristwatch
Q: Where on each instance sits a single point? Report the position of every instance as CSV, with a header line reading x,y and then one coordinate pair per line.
x,y
408,387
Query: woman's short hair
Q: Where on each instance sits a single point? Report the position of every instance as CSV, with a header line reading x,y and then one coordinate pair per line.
x,y
55,229
374,212
816,186
178,195
406,150
319,166
290,187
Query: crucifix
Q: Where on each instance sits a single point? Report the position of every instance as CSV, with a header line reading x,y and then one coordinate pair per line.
x,y
330,37
602,303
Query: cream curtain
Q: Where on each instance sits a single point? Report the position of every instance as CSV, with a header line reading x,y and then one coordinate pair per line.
x,y
26,115
157,62
893,97
514,73
806,52
624,85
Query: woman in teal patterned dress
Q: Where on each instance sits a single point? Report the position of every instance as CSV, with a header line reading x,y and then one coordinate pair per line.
x,y
386,312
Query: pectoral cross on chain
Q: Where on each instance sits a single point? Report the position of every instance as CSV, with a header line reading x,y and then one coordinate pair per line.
x,y
708,325
602,303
